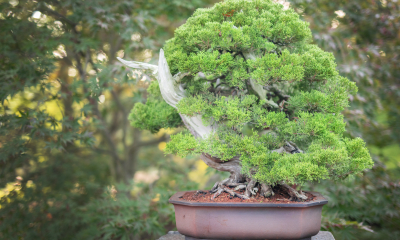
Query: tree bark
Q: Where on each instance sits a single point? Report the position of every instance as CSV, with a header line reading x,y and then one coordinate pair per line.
x,y
233,166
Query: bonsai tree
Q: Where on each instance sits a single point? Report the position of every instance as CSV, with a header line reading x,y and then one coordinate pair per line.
x,y
258,99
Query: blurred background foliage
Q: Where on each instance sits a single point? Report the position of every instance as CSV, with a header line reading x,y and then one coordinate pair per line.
x,y
71,167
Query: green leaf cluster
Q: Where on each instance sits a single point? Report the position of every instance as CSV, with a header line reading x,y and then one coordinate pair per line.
x,y
330,97
219,35
155,113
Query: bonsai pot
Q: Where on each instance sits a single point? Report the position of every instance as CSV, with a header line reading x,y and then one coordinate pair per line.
x,y
243,220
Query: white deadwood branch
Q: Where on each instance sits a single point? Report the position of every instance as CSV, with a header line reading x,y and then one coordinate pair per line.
x,y
172,91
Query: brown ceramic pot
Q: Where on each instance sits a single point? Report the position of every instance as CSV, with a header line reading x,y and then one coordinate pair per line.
x,y
215,220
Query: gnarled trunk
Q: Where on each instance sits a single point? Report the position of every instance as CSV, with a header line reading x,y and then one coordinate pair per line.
x,y
172,93
233,166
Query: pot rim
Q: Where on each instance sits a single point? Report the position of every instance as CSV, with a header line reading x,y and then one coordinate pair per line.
x,y
318,200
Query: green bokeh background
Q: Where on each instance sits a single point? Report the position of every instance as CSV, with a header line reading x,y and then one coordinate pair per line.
x,y
71,166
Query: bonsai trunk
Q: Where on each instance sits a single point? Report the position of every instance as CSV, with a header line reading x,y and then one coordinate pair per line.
x,y
237,179
173,93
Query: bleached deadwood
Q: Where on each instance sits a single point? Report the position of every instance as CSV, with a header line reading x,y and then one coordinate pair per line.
x,y
258,88
140,65
196,123
249,188
289,147
239,187
171,91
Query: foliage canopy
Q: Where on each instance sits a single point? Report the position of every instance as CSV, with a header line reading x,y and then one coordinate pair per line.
x,y
252,73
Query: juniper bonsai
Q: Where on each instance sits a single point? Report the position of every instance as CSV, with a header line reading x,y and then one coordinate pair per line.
x,y
259,100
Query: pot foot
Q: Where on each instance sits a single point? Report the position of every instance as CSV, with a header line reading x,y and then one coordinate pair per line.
x,y
175,235
190,238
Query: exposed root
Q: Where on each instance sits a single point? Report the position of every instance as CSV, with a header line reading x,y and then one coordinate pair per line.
x,y
221,188
219,191
266,190
231,192
233,184
216,185
294,195
239,187
254,191
249,189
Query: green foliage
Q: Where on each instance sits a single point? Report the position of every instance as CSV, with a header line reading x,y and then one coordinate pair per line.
x,y
299,78
45,204
234,112
182,144
361,205
127,218
327,157
363,35
155,113
119,215
273,68
64,106
26,52
212,41
318,64
330,98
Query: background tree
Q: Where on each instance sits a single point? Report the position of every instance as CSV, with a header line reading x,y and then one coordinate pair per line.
x,y
63,115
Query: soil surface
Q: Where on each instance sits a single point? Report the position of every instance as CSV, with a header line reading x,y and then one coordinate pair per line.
x,y
280,197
